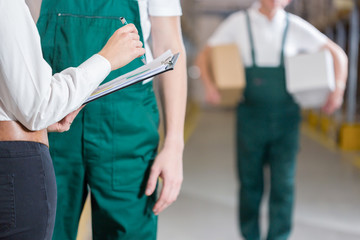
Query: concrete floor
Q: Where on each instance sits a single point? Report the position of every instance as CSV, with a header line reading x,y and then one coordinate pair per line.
x,y
327,194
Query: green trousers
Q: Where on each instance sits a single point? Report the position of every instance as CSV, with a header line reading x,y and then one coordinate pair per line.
x,y
271,139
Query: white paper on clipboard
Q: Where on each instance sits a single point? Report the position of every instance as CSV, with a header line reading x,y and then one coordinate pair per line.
x,y
161,64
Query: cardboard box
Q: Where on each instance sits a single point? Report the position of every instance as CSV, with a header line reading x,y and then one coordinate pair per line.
x,y
228,73
310,78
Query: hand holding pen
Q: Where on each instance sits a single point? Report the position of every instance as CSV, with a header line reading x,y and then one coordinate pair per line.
x,y
123,20
123,47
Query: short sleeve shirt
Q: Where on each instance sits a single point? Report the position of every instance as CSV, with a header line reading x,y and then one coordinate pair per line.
x,y
160,8
267,35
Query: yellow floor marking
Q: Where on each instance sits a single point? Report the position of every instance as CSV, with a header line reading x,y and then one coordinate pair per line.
x,y
352,157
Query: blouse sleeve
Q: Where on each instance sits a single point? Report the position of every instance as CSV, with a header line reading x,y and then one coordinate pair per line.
x,y
27,88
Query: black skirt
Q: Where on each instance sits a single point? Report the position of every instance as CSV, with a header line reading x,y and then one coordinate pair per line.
x,y
27,191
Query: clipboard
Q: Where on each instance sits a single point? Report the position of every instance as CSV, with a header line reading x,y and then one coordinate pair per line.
x,y
161,64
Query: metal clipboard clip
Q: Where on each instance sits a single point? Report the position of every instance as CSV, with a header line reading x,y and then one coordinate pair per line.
x,y
171,61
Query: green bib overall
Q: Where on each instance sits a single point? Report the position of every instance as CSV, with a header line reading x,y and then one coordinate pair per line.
x,y
113,141
267,133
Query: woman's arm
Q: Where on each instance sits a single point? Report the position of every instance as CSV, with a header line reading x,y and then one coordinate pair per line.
x,y
27,88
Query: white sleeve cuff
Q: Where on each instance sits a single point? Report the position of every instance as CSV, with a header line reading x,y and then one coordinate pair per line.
x,y
97,67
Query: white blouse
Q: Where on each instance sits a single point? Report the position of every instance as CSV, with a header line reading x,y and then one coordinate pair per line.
x,y
29,93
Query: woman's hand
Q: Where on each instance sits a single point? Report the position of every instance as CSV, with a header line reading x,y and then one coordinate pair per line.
x,y
123,47
64,124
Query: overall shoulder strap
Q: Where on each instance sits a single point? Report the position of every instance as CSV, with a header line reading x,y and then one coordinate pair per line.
x,y
251,38
282,56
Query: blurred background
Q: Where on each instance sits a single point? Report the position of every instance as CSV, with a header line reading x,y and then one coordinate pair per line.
x,y
327,205
328,175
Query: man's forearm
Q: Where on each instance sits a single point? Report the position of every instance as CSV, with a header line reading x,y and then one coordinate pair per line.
x,y
340,64
166,34
174,91
202,62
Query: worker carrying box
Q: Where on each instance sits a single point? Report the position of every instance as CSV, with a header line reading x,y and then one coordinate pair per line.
x,y
268,119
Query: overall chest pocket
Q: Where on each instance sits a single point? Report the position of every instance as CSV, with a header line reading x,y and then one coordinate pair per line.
x,y
78,37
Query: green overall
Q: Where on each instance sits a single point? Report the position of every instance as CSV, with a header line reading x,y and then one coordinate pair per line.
x,y
113,141
267,133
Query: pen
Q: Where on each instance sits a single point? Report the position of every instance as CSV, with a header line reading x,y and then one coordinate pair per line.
x,y
123,20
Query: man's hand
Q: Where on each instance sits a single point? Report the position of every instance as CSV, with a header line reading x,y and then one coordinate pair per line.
x,y
334,101
64,124
212,94
168,166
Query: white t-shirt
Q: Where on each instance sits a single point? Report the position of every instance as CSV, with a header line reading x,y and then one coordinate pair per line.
x,y
267,35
